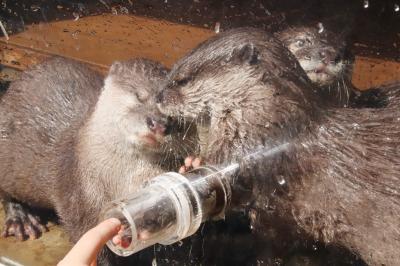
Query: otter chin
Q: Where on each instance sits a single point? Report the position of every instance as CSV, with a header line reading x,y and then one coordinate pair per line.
x,y
151,140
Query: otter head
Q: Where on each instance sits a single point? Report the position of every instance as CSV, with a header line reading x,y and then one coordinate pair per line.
x,y
127,101
321,54
240,80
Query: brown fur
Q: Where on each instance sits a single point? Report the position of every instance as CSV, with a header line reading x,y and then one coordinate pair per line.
x,y
35,111
329,53
341,168
69,145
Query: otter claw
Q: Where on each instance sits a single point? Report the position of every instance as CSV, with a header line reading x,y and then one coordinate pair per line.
x,y
22,224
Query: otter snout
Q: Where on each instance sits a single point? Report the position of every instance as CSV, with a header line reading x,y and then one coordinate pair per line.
x,y
328,57
159,126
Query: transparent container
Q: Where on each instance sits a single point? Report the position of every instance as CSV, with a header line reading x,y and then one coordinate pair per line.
x,y
169,208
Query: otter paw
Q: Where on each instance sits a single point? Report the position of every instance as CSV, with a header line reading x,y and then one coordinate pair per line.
x,y
21,223
190,163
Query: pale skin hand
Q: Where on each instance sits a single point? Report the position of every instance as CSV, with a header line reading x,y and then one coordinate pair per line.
x,y
85,251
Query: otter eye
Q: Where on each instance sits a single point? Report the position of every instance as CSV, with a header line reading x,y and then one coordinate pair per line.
x,y
300,43
142,96
181,82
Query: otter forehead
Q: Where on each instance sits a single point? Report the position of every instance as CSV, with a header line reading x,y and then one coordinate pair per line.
x,y
137,75
224,48
312,38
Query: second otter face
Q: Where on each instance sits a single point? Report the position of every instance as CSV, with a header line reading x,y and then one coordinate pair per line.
x,y
240,77
131,87
320,54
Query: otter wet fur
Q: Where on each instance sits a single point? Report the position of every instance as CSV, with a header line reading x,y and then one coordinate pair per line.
x,y
71,144
328,62
34,112
335,173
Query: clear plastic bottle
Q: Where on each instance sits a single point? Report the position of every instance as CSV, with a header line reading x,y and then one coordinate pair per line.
x,y
169,208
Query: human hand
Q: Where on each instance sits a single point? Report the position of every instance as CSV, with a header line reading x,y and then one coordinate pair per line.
x,y
85,251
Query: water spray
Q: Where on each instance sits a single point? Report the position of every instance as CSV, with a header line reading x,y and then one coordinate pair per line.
x,y
172,206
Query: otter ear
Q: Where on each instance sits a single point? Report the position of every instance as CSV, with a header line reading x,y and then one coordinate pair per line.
x,y
115,68
248,53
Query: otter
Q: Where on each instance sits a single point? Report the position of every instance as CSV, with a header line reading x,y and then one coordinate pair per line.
x,y
328,62
35,110
336,176
71,144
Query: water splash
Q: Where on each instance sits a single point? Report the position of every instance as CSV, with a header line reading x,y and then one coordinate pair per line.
x,y
320,27
366,4
254,157
3,29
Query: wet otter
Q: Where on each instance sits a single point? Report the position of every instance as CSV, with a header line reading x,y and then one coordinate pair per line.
x,y
337,178
69,145
328,62
32,120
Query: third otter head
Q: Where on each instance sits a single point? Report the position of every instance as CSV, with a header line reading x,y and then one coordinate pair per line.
x,y
321,53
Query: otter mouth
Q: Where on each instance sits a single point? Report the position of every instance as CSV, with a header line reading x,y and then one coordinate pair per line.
x,y
152,140
321,74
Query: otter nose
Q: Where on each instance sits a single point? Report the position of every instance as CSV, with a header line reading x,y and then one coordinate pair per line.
x,y
156,126
327,56
322,54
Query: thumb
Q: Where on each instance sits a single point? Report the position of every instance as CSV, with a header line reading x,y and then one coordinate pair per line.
x,y
86,249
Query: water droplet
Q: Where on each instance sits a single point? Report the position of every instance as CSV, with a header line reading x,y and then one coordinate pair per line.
x,y
76,15
322,129
281,180
217,27
320,27
314,247
114,11
3,134
35,8
75,34
154,262
124,10
396,8
356,126
366,3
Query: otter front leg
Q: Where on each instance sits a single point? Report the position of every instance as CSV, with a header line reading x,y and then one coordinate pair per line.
x,y
21,222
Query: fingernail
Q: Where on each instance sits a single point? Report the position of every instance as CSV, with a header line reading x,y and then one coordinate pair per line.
x,y
115,221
